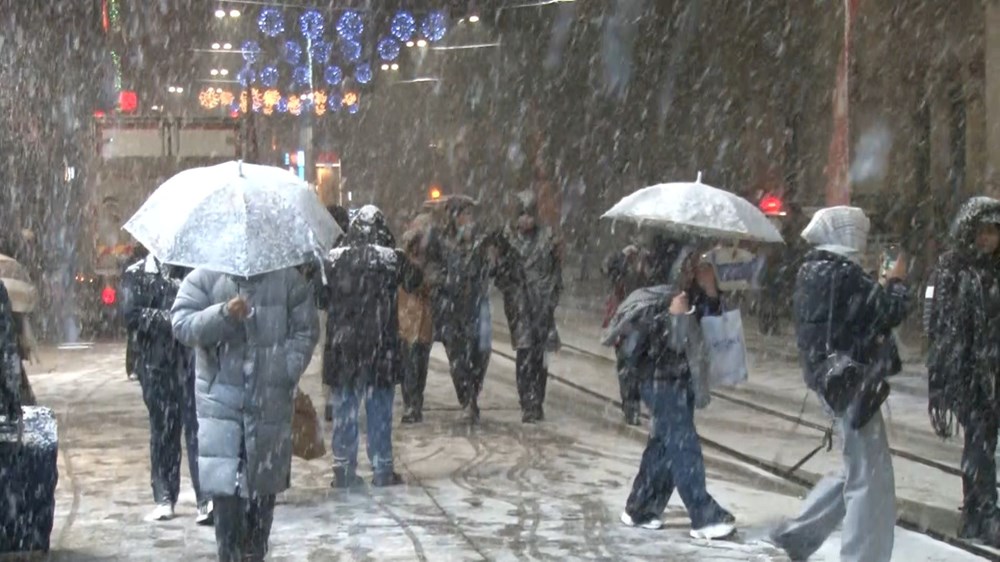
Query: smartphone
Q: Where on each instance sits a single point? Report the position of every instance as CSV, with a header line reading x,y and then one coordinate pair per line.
x,y
890,256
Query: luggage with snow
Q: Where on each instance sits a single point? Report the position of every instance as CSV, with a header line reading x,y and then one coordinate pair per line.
x,y
28,474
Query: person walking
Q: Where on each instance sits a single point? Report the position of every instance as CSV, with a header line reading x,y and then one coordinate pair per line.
x,y
253,339
364,364
461,303
530,301
166,373
416,328
843,312
670,359
963,363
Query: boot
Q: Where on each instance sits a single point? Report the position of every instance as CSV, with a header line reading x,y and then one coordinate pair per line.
x,y
386,479
982,526
412,415
344,478
471,412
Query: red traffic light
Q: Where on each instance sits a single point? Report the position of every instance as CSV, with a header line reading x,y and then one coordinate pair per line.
x,y
128,101
772,206
109,296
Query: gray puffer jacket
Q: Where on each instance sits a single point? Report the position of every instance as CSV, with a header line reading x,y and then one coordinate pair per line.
x,y
246,375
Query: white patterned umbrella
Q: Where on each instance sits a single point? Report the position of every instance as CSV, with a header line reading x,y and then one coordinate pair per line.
x,y
696,209
22,292
235,218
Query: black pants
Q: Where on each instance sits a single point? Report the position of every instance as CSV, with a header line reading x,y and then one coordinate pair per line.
x,y
628,384
532,377
242,527
468,366
979,470
169,398
416,361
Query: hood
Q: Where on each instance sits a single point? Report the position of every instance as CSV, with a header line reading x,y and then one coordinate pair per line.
x,y
840,230
527,203
975,211
369,227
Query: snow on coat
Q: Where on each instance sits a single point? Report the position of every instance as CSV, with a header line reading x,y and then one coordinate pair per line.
x,y
247,373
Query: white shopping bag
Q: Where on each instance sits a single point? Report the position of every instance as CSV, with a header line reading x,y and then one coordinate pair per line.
x,y
726,348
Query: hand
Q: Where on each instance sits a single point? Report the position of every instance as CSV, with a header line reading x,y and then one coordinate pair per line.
x,y
898,270
238,309
680,305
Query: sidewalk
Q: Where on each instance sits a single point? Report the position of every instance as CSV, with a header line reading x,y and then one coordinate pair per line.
x,y
502,491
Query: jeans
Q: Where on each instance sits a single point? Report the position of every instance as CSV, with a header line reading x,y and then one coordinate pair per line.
x,y
378,407
468,362
862,497
672,458
242,527
532,377
416,360
169,398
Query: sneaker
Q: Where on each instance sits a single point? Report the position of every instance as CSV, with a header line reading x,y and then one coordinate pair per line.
x,y
344,479
725,527
413,416
384,480
653,524
162,512
206,515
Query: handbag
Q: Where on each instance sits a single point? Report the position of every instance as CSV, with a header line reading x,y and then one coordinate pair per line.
x,y
726,349
307,439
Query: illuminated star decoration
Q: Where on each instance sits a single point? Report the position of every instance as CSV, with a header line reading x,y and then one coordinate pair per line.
x,y
351,49
320,51
334,101
403,26
333,75
311,24
388,48
292,52
301,75
269,76
250,49
271,22
363,73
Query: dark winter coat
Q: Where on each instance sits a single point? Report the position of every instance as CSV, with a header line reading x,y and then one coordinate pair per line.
x,y
362,331
531,298
10,361
461,291
151,294
963,323
247,373
863,315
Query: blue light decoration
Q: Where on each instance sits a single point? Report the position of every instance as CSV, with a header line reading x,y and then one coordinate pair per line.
x,y
353,108
271,22
311,24
363,73
388,48
350,25
350,49
403,26
333,75
251,50
435,26
320,51
301,76
282,105
269,76
246,75
292,52
333,101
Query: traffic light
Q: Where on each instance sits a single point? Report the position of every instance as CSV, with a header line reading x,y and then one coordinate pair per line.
x,y
772,206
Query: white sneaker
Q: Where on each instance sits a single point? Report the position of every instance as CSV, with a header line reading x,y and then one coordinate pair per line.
x,y
714,531
162,512
652,524
205,514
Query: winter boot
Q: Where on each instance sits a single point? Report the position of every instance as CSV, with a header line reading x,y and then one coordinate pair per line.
x,y
982,526
386,479
344,478
471,412
412,415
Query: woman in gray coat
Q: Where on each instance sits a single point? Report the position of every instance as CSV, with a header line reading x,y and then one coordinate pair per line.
x,y
253,340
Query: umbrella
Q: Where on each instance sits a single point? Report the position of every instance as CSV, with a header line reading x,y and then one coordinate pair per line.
x,y
235,218
696,209
22,292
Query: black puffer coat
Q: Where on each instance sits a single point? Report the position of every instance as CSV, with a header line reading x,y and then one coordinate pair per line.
x,y
362,334
964,321
153,289
860,324
10,361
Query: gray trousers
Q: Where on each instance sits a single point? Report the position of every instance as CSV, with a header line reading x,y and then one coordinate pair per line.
x,y
862,496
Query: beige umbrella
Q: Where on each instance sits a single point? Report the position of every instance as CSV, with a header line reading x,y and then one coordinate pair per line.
x,y
22,292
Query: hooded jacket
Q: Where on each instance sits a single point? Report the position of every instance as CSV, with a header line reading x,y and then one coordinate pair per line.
x,y
364,276
964,322
837,306
152,290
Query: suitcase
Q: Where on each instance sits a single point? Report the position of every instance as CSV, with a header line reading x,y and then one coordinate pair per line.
x,y
28,476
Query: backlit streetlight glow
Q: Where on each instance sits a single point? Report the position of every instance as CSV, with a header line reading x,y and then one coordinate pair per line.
x,y
410,43
224,72
422,43
473,19
234,13
214,72
220,13
385,67
216,46
227,46
394,66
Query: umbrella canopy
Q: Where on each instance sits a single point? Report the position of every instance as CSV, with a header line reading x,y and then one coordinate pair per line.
x,y
22,292
235,218
696,209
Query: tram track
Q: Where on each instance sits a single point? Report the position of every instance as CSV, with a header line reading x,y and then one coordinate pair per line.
x,y
776,469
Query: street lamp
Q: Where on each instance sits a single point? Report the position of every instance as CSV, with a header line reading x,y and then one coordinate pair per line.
x,y
220,13
234,13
